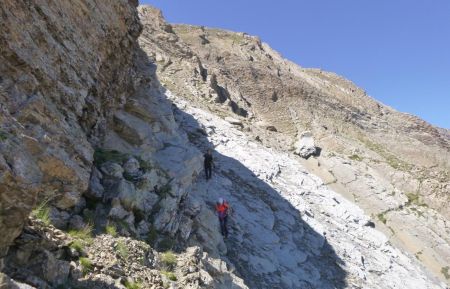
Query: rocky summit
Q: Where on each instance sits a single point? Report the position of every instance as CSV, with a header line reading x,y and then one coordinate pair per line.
x,y
106,113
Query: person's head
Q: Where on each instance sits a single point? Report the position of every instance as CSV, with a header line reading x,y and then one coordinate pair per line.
x,y
220,201
208,151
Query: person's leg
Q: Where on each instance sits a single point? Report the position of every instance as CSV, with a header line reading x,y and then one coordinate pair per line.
x,y
208,172
222,226
225,226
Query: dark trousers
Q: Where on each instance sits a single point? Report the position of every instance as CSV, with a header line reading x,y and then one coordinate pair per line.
x,y
208,171
223,226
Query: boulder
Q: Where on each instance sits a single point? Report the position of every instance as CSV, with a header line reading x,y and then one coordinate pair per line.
x,y
59,218
8,283
305,146
95,190
112,170
143,229
79,207
76,222
131,166
117,211
68,200
135,200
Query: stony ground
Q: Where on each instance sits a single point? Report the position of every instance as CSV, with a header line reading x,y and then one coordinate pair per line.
x,y
289,230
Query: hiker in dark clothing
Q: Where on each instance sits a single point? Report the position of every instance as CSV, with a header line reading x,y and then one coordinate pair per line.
x,y
222,208
209,162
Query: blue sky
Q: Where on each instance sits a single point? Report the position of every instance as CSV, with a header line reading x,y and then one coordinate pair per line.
x,y
397,50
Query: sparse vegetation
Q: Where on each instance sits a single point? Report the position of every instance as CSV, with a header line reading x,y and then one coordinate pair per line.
x,y
391,159
86,265
414,199
111,229
355,157
77,245
169,259
42,212
84,234
132,285
382,217
170,275
445,271
145,165
122,249
3,136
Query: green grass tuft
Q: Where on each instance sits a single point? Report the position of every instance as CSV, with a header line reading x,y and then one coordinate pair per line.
x,y
77,245
121,249
84,234
169,259
42,212
355,157
382,217
132,285
170,275
445,271
3,136
111,230
86,265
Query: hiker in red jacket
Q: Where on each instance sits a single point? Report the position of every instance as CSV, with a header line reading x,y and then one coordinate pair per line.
x,y
222,208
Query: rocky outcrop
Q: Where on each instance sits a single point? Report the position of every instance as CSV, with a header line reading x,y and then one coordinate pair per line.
x,y
62,75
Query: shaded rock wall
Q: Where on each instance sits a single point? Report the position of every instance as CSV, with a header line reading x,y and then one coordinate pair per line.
x,y
65,66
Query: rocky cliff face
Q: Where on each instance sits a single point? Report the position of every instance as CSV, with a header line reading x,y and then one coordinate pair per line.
x,y
64,69
102,133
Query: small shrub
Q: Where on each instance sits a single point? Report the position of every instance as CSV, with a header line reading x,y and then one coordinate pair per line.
x,y
144,165
355,157
111,230
86,265
382,217
445,271
3,136
169,259
77,245
122,250
132,285
170,275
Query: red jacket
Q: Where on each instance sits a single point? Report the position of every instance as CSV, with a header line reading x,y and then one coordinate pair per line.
x,y
222,209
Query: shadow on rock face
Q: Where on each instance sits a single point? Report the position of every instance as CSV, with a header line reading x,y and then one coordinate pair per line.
x,y
270,244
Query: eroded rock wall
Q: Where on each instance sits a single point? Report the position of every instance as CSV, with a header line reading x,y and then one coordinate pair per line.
x,y
65,67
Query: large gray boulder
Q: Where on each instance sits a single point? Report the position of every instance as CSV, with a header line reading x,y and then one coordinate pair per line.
x,y
305,146
96,189
134,199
